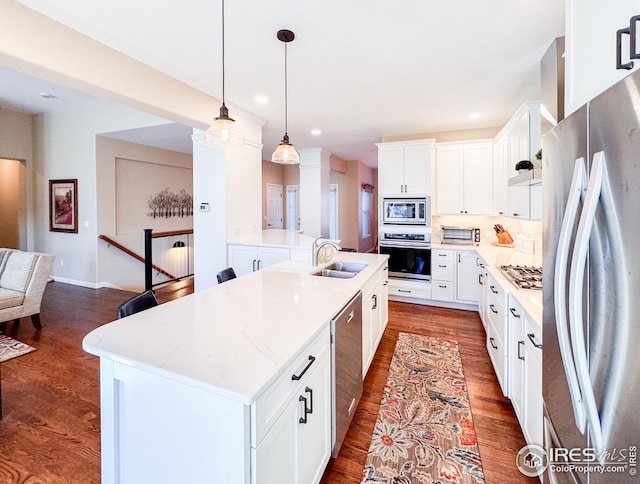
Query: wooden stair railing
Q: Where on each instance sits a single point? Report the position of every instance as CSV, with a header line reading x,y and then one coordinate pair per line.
x,y
127,251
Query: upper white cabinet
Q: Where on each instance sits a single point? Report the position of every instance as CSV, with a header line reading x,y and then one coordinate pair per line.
x,y
404,167
520,139
464,178
591,48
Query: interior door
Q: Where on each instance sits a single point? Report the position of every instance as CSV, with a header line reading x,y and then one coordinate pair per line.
x,y
293,207
274,206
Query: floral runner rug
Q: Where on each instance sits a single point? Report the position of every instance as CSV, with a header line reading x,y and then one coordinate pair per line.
x,y
11,348
424,432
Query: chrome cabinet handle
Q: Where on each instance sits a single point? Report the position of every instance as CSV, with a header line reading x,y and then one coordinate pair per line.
x,y
480,280
492,345
442,265
375,301
404,290
441,286
493,309
306,368
513,311
493,289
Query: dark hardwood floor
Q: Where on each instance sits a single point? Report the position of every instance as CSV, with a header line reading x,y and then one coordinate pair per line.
x,y
50,431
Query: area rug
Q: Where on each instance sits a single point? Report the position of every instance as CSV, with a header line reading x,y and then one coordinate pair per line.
x,y
424,432
11,348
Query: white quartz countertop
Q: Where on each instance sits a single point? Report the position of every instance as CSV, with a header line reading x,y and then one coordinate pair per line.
x,y
495,256
274,237
234,338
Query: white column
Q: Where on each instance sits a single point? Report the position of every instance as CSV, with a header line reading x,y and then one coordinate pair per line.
x,y
315,168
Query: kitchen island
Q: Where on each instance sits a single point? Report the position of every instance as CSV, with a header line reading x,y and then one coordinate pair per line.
x,y
199,389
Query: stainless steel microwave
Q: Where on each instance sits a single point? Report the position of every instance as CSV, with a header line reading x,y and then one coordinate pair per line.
x,y
459,235
406,211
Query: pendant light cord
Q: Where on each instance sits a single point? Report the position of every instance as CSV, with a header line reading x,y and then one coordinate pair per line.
x,y
223,52
286,106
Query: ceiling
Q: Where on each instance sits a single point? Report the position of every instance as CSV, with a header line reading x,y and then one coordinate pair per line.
x,y
358,70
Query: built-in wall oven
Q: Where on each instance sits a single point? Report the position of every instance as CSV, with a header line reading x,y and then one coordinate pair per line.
x,y
409,254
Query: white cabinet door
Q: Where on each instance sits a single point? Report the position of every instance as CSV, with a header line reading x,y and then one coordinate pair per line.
x,y
417,169
384,297
464,178
267,256
248,258
274,458
482,292
449,181
501,177
467,277
533,403
390,169
478,179
517,360
404,168
519,201
314,425
243,258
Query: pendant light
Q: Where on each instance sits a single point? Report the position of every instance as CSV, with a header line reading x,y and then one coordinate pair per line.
x,y
285,153
223,131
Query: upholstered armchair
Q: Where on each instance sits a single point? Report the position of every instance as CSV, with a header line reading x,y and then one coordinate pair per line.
x,y
23,278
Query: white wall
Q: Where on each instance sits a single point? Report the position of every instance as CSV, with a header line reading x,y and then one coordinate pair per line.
x,y
65,147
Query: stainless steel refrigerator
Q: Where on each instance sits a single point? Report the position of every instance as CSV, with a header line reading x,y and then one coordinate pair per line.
x,y
591,288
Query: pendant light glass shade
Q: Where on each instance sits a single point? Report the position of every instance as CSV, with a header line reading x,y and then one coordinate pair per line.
x,y
285,153
223,131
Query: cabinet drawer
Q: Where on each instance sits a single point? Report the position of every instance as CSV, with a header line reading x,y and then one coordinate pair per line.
x,y
267,408
443,290
496,350
420,290
443,270
441,255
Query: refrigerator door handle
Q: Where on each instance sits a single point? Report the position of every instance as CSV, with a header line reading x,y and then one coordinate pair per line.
x,y
578,186
576,286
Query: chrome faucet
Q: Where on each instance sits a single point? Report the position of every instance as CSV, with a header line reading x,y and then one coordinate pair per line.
x,y
317,247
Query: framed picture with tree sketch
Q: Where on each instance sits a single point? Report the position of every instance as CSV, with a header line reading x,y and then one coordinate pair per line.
x,y
63,205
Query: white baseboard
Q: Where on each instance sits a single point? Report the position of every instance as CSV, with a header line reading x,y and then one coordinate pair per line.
x,y
90,285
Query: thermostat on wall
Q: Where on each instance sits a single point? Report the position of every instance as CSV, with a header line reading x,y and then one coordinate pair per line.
x,y
204,207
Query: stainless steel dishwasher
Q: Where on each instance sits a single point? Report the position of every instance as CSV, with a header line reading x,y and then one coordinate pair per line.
x,y
346,369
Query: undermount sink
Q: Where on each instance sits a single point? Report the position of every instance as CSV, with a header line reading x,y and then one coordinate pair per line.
x,y
346,267
341,270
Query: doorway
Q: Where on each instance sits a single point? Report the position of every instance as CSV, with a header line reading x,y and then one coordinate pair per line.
x,y
293,207
12,202
274,206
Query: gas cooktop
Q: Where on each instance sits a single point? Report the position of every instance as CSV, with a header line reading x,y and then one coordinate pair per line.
x,y
523,277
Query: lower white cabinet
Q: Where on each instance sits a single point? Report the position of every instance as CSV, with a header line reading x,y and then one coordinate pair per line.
x,y
249,258
443,274
525,371
466,276
483,287
297,448
532,400
374,315
497,332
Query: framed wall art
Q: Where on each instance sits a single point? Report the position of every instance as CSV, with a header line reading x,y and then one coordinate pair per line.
x,y
63,206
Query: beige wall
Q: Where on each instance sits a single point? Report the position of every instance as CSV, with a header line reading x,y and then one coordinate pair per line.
x,y
114,267
16,143
9,203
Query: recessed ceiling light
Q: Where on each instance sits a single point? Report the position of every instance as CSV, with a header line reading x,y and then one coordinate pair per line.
x,y
262,99
46,95
474,115
316,132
